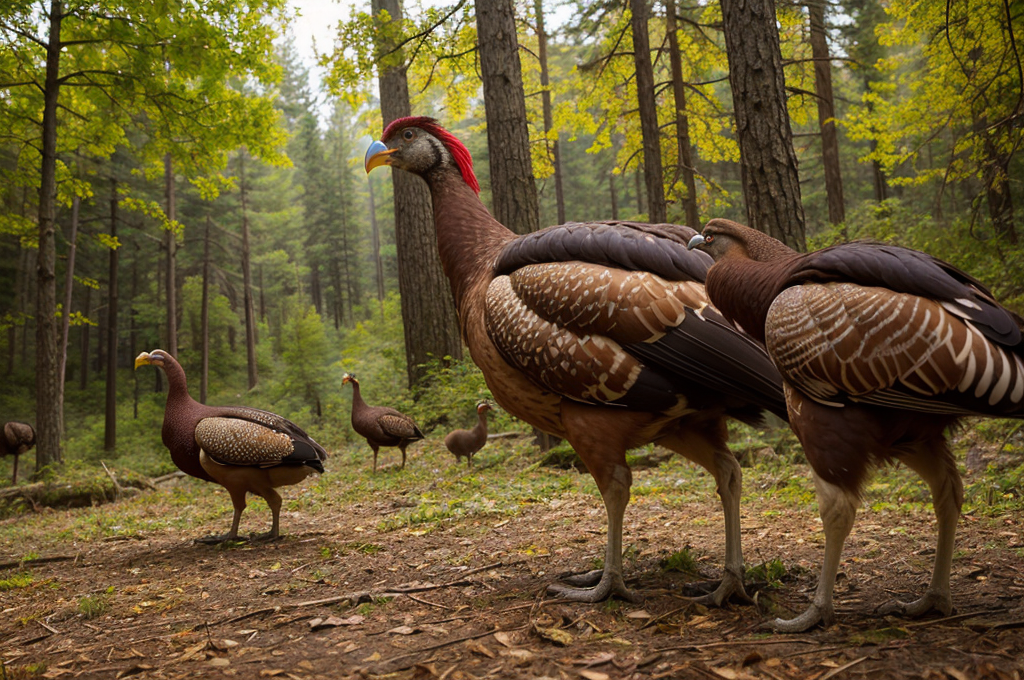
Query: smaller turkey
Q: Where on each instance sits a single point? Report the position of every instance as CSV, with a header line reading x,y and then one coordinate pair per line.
x,y
243,449
381,425
17,438
465,443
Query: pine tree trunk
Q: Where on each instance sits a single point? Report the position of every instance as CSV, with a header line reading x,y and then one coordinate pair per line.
x,y
686,169
611,190
513,190
428,312
826,114
170,270
69,284
250,321
49,404
83,373
556,157
133,329
204,314
110,424
375,237
768,163
657,210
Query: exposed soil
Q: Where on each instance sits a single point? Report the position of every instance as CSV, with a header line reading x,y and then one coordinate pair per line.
x,y
465,598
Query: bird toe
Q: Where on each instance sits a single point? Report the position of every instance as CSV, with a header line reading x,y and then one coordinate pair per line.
x,y
608,586
810,618
931,601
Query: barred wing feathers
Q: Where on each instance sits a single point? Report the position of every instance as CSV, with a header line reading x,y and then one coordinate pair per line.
x,y
398,425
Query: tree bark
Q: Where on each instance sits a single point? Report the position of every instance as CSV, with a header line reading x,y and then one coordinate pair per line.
x,y
69,284
686,169
83,373
110,425
250,321
556,156
513,190
826,114
204,315
170,270
611,190
428,312
768,161
375,237
49,402
657,210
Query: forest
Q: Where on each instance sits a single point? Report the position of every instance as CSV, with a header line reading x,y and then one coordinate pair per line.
x,y
173,178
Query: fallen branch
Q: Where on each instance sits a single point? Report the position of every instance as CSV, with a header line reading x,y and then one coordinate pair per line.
x,y
355,598
448,643
951,619
166,478
729,643
17,564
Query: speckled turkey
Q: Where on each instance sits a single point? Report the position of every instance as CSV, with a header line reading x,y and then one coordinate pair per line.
x,y
882,350
585,332
466,443
245,450
381,425
16,439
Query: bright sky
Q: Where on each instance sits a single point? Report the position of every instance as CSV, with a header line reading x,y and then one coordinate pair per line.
x,y
316,25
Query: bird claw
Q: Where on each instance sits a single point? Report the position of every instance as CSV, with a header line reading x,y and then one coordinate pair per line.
x,y
725,589
265,538
930,601
813,616
607,586
587,579
217,540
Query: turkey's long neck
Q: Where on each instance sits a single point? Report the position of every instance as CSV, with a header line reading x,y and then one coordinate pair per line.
x,y
481,426
357,398
744,289
468,237
177,393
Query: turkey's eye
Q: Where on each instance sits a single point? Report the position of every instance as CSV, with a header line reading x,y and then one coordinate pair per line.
x,y
408,134
709,238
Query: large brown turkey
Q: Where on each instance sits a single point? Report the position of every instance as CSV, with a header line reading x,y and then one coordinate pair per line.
x,y
243,449
882,349
585,332
16,439
381,425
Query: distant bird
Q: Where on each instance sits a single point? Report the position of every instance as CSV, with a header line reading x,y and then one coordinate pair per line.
x,y
882,350
465,443
381,425
243,449
585,332
17,438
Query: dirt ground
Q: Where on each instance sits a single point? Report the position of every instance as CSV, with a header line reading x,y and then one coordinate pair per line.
x,y
346,594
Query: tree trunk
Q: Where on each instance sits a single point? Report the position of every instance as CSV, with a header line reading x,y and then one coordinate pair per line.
x,y
768,164
204,315
69,281
110,426
170,269
263,299
611,190
542,55
375,237
133,329
250,321
513,190
997,191
826,114
49,402
428,311
639,177
83,373
686,169
657,210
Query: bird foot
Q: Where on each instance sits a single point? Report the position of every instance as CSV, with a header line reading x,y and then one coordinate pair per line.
x,y
587,579
931,601
813,616
265,538
217,540
730,585
608,585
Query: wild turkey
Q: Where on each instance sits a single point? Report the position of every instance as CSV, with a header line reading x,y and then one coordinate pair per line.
x,y
583,331
882,350
243,449
465,443
381,425
17,438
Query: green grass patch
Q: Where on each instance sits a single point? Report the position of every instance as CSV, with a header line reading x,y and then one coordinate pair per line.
x,y
682,561
14,581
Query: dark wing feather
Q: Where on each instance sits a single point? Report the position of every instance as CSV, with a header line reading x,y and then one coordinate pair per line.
x,y
274,422
233,441
914,273
396,424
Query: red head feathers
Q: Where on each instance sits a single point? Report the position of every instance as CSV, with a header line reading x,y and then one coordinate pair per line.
x,y
457,149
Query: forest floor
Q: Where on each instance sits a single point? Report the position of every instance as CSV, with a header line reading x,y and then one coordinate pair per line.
x,y
440,572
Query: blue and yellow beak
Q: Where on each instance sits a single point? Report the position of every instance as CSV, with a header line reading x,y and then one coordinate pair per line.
x,y
377,155
695,241
142,360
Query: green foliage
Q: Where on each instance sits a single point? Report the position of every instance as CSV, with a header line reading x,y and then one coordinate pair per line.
x,y
682,561
18,580
94,606
771,572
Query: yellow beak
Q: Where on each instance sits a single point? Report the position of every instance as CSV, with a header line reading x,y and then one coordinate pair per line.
x,y
142,360
377,155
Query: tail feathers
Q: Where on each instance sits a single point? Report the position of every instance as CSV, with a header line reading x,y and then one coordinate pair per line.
x,y
306,453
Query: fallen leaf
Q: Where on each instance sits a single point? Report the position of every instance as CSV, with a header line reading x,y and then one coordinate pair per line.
x,y
773,662
479,648
335,621
520,657
604,657
556,635
269,673
373,657
594,675
219,661
405,630
727,673
305,664
638,614
503,638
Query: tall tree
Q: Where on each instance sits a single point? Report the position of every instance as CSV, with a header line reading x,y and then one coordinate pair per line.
x,y
657,209
771,185
110,424
171,253
247,301
826,113
685,157
513,189
556,157
428,312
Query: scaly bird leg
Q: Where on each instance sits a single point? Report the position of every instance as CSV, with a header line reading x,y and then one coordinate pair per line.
x,y
937,467
706,446
15,480
273,500
402,449
238,501
838,508
374,457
